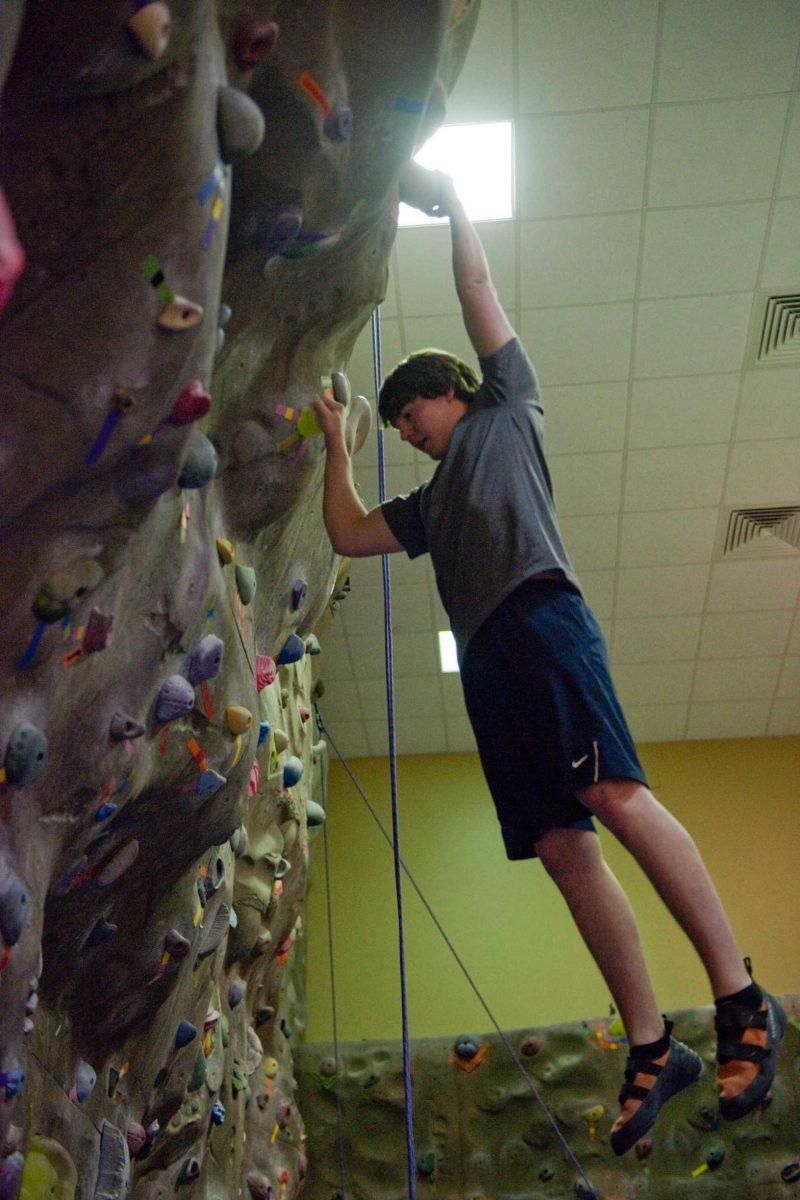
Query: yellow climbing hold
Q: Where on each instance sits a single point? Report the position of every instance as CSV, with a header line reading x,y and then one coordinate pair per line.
x,y
280,740
239,719
49,1172
225,551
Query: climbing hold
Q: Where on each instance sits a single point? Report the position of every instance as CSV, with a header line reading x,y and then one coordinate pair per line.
x,y
287,222
238,1077
466,1046
145,484
252,43
199,1072
239,718
113,1169
218,1112
308,425
189,1171
312,644
338,125
240,125
12,1167
98,628
584,1191
224,315
426,1164
209,782
266,671
280,740
299,593
150,28
254,778
192,404
205,659
176,944
546,1174
292,771
184,1034
304,713
12,256
200,464
25,754
14,904
236,992
241,847
791,1172
175,698
315,814
714,1159
123,728
118,864
258,1187
704,1119
318,690
100,932
60,590
135,1136
292,650
179,314
225,551
263,732
318,749
245,583
531,1046
644,1148
11,1081
85,1079
282,868
270,1065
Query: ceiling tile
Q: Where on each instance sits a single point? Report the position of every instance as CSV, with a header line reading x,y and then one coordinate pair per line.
x,y
651,538
598,590
769,406
459,735
750,586
580,260
652,591
360,370
656,722
395,451
350,738
782,264
764,473
728,719
425,267
415,654
715,152
585,54
656,639
674,477
334,661
785,718
586,483
722,49
585,163
699,335
579,345
378,737
737,635
591,542
683,410
452,692
421,735
443,332
790,174
789,683
688,250
586,416
653,683
365,481
364,572
484,89
736,679
412,697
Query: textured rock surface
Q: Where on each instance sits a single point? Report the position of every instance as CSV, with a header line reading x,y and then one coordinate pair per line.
x,y
152,855
480,1133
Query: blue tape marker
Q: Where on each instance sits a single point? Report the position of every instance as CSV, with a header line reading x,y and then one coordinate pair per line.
x,y
33,645
214,183
415,107
109,425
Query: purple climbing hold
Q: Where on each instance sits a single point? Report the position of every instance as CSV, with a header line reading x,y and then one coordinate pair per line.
x,y
105,811
299,593
175,698
189,1171
11,1175
25,754
292,771
236,991
123,728
285,229
209,782
176,944
205,659
184,1034
15,904
292,650
338,125
136,1137
98,627
100,932
11,1081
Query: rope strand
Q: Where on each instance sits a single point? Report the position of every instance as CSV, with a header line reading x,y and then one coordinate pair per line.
x,y
339,1109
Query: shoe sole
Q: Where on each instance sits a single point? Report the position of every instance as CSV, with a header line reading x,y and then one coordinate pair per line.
x,y
739,1106
687,1069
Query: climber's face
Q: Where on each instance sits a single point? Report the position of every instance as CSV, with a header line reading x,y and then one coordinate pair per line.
x,y
428,422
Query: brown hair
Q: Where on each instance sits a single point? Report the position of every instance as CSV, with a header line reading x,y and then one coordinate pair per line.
x,y
427,373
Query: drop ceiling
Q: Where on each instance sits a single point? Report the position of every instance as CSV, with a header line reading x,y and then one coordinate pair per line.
x,y
657,210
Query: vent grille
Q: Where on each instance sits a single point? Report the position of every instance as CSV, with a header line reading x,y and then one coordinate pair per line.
x,y
780,332
757,532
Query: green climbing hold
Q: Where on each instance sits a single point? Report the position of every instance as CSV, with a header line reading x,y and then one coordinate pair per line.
x,y
199,1073
245,583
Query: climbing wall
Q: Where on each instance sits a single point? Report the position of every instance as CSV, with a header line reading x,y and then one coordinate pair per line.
x,y
480,1134
197,206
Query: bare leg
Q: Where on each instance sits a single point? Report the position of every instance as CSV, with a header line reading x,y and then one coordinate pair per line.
x,y
605,919
672,863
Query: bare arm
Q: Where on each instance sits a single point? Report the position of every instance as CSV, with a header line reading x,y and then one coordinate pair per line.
x,y
486,323
353,530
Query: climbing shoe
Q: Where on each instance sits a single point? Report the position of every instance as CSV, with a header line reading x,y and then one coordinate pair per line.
x,y
748,1041
650,1080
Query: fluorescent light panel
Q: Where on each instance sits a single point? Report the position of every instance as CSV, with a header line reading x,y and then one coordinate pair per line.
x,y
447,651
480,160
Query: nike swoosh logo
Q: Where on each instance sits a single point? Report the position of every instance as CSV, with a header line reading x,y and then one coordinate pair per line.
x,y
578,761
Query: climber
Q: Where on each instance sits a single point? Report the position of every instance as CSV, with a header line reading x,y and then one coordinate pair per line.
x,y
553,740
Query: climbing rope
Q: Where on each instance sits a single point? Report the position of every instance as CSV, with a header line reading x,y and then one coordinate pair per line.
x,y
395,842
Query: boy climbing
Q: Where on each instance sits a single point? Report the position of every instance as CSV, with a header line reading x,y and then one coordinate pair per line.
x,y
553,742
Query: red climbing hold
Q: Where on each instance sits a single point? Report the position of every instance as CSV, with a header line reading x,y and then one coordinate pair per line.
x,y
12,256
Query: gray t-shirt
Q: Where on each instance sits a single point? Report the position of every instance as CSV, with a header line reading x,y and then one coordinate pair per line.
x,y
487,515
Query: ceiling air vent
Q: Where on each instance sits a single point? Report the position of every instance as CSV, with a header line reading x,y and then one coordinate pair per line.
x,y
759,532
779,340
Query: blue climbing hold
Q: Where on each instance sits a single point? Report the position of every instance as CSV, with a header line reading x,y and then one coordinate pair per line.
x,y
299,593
85,1079
200,464
209,782
105,811
218,1112
263,731
11,1081
338,125
14,905
292,771
184,1034
100,932
25,754
292,650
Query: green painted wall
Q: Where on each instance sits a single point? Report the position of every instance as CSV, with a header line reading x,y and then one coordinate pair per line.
x,y
739,799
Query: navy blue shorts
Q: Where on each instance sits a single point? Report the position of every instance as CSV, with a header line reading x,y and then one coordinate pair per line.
x,y
544,711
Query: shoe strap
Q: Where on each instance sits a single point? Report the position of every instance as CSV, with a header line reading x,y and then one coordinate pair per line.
x,y
734,1018
741,1052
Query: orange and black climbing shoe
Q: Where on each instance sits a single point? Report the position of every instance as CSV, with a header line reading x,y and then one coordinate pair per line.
x,y
749,1035
651,1078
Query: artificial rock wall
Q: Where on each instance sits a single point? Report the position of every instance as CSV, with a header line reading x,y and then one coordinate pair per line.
x,y
199,201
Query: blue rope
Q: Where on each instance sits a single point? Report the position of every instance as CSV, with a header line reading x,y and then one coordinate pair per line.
x,y
387,609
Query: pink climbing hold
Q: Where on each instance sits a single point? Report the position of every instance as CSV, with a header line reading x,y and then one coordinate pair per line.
x,y
192,404
12,256
255,778
266,671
